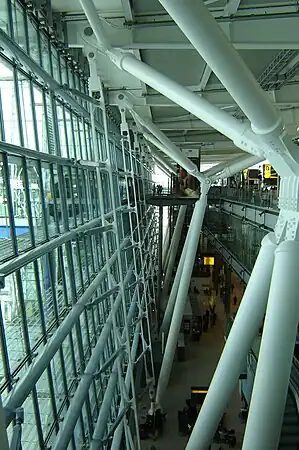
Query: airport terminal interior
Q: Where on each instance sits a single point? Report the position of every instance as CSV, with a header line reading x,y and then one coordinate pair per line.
x,y
149,224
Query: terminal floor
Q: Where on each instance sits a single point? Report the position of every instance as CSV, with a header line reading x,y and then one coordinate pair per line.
x,y
197,369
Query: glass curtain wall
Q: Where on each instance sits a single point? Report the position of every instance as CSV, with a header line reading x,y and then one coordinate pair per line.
x,y
242,238
55,239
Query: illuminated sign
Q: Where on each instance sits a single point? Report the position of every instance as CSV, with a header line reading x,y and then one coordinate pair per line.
x,y
269,172
208,260
198,391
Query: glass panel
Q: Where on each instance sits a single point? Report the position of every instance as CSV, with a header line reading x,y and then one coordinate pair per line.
x,y
6,249
4,21
26,112
46,63
77,203
62,131
76,125
13,324
82,140
45,403
70,135
64,74
55,64
9,106
33,41
18,24
49,199
19,202
40,120
38,218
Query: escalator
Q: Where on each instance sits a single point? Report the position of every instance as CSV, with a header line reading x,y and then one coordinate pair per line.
x,y
289,438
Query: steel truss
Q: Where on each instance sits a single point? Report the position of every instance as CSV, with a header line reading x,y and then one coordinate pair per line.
x,y
78,281
273,286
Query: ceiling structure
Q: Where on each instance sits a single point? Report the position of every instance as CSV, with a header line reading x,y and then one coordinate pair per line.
x,y
265,33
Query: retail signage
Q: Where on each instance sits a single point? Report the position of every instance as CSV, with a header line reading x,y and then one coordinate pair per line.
x,y
209,260
269,172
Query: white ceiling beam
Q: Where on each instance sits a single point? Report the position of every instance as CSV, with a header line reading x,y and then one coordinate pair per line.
x,y
247,34
286,99
128,12
243,45
205,78
232,7
287,96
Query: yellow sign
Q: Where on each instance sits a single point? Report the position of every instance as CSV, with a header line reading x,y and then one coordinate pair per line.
x,y
208,260
269,172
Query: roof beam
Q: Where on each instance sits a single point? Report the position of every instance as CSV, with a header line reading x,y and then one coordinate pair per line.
x,y
231,8
205,78
128,10
248,34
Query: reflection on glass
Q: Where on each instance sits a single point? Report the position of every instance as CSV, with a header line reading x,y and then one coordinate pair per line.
x,y
4,16
38,220
40,120
242,238
18,24
6,249
26,112
55,64
62,131
9,106
33,41
45,53
19,202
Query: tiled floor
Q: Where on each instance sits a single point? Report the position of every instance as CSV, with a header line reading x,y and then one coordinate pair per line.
x,y
197,369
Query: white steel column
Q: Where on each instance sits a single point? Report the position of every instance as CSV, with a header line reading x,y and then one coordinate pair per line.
x,y
166,246
238,344
3,433
205,34
218,119
173,294
276,353
174,246
191,245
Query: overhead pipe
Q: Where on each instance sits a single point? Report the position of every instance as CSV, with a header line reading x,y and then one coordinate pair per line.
x,y
198,106
161,167
201,29
236,166
161,141
245,159
162,160
181,159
